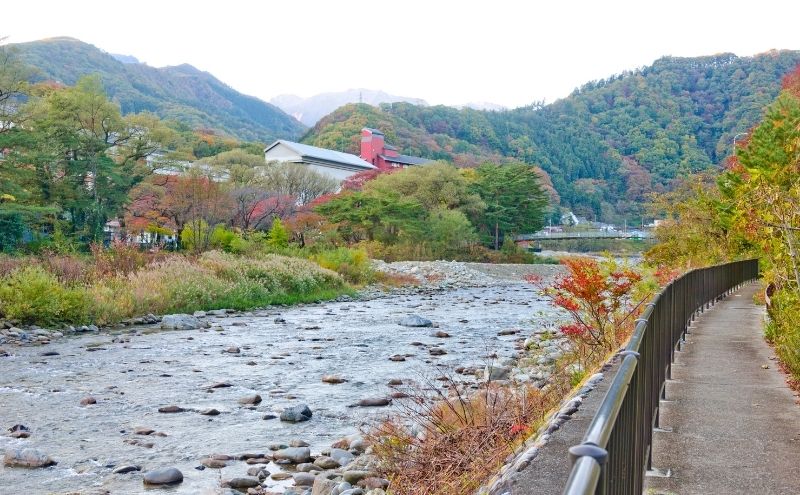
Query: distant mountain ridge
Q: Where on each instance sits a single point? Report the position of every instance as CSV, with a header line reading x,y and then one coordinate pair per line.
x,y
310,110
182,92
608,144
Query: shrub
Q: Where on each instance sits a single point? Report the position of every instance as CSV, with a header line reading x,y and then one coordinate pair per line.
x,y
783,330
34,295
119,259
352,264
70,270
278,236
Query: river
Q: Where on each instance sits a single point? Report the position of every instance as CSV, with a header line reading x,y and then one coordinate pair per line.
x,y
283,355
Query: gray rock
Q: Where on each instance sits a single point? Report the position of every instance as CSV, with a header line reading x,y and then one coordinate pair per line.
x,y
304,479
341,456
296,442
210,412
29,458
165,476
199,314
415,321
243,483
307,467
296,414
496,372
180,321
323,486
295,455
326,462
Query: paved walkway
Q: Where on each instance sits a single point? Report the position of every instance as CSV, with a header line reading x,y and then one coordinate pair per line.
x,y
735,424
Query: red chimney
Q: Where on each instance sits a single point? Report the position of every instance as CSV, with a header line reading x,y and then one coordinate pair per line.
x,y
372,145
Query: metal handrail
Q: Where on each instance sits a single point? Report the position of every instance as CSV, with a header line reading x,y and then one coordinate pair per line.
x,y
615,452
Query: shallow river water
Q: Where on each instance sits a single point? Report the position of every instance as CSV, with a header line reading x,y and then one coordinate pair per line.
x,y
282,361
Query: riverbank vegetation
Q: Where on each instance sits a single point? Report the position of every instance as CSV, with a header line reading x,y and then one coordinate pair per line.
x,y
449,439
124,283
752,209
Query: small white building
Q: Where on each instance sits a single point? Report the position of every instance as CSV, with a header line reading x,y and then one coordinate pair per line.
x,y
334,164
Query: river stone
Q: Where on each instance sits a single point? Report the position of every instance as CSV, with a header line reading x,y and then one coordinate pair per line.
x,y
210,412
165,476
415,321
171,409
280,476
86,401
250,399
243,483
127,468
323,486
295,455
341,456
333,379
28,458
354,476
180,321
295,414
307,467
436,351
397,357
210,462
326,462
496,372
304,479
296,442
374,402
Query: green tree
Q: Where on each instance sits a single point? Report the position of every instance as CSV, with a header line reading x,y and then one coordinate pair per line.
x,y
434,186
278,236
515,200
388,218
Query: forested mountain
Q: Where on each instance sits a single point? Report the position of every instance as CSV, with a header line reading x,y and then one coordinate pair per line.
x,y
607,144
183,93
310,110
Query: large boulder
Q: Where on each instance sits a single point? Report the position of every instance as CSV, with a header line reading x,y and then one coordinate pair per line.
x,y
165,476
295,414
180,321
28,458
415,321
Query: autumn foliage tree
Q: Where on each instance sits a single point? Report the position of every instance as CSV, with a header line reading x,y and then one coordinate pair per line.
x,y
601,299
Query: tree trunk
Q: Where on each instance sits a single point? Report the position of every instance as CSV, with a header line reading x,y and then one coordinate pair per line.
x,y
496,236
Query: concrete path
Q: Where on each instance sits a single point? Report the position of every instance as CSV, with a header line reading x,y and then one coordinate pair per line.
x,y
735,424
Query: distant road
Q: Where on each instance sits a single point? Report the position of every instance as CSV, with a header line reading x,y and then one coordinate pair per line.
x,y
594,234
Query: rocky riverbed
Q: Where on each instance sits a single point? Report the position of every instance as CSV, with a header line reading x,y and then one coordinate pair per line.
x,y
227,404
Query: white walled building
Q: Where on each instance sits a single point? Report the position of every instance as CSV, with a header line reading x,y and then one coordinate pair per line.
x,y
335,164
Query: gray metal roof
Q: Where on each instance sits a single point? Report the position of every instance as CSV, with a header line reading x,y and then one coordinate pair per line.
x,y
323,154
406,159
374,131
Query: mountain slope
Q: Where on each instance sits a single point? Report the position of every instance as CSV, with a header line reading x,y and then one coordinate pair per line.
x,y
310,110
609,143
184,93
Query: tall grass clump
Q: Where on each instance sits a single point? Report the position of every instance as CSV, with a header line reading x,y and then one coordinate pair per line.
x,y
31,295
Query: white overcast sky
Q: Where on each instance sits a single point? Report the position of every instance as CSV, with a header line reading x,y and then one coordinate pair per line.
x,y
450,52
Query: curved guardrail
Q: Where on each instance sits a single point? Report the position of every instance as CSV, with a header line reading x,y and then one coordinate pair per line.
x,y
615,452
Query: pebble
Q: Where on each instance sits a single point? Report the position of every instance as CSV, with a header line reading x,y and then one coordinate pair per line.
x,y
210,412
333,379
86,401
295,455
243,483
29,458
374,402
126,468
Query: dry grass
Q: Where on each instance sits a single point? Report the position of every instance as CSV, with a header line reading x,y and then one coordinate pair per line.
x,y
449,440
